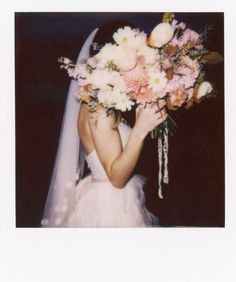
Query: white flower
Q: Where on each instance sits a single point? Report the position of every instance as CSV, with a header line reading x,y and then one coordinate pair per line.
x,y
122,57
107,97
157,81
139,41
204,88
79,70
125,36
155,66
71,72
106,54
130,38
66,61
161,34
124,103
101,78
125,58
150,55
82,70
115,98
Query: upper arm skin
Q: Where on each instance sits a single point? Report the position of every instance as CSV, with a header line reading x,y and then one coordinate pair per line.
x,y
106,138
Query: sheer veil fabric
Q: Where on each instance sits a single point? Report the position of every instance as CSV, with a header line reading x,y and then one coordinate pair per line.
x,y
69,162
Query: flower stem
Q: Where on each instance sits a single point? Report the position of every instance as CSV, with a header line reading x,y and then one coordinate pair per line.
x,y
167,126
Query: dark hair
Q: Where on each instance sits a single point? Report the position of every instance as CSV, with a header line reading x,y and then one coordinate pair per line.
x,y
105,33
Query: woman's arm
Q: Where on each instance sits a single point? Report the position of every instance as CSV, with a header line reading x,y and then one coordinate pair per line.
x,y
119,163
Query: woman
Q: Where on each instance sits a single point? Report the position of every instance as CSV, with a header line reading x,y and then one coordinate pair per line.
x,y
112,195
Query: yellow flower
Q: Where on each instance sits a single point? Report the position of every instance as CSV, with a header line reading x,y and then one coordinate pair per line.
x,y
167,17
187,46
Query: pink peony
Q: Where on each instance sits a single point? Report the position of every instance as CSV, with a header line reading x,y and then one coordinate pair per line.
x,y
178,97
135,79
145,95
174,84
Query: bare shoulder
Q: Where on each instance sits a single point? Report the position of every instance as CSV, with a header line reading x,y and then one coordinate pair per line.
x,y
106,137
96,127
83,128
83,115
100,119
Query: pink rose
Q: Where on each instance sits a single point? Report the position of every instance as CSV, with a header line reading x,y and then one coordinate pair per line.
x,y
188,36
187,66
193,37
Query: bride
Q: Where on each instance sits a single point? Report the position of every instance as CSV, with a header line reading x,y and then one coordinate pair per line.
x,y
111,195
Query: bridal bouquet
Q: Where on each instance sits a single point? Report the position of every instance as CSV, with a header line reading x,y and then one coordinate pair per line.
x,y
165,68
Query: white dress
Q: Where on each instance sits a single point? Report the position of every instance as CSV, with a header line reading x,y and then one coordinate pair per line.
x,y
98,203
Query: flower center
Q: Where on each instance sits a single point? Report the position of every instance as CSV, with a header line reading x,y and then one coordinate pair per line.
x,y
157,80
124,39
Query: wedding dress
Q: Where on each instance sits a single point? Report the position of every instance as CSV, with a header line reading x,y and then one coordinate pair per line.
x,y
99,204
92,201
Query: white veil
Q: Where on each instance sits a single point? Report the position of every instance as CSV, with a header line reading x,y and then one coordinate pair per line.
x,y
69,162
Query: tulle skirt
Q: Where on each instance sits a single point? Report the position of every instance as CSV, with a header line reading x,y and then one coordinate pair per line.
x,y
100,204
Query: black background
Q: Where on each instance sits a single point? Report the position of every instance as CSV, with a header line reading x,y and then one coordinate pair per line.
x,y
195,194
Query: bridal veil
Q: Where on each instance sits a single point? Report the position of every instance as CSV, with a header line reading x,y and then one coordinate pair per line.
x,y
69,162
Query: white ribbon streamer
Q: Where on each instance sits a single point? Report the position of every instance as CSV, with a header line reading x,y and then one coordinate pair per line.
x,y
163,147
165,150
160,153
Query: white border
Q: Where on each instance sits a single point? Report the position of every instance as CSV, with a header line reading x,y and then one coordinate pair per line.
x,y
173,255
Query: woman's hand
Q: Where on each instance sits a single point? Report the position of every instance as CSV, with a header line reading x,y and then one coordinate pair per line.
x,y
148,117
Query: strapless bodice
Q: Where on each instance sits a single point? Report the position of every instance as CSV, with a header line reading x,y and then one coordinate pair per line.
x,y
97,170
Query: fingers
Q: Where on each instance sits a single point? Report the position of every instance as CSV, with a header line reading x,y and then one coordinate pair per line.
x,y
161,103
138,109
150,116
160,113
161,119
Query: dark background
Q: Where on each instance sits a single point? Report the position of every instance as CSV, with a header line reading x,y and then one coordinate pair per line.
x,y
195,194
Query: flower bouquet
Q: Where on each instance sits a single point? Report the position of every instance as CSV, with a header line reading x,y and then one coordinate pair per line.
x,y
165,68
